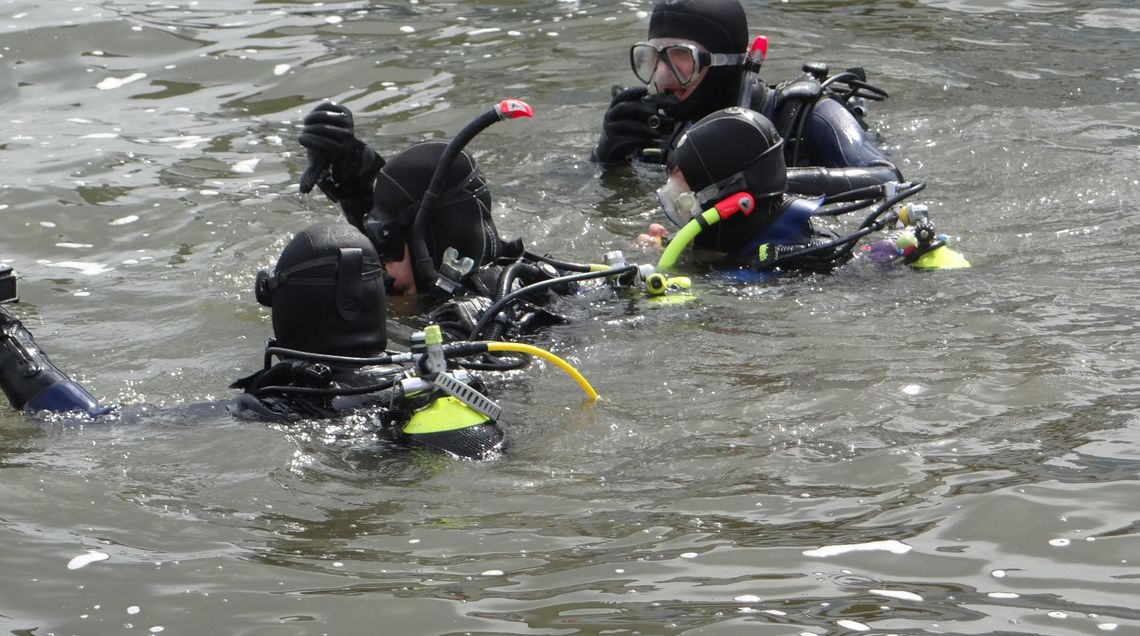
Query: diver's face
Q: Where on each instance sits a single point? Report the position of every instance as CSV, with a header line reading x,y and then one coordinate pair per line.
x,y
665,79
403,277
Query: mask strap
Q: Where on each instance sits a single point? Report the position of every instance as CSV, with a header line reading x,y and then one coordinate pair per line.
x,y
709,195
280,278
459,192
389,236
349,282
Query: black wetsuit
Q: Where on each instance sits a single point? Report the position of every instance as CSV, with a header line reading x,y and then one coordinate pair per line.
x,y
33,383
287,392
832,152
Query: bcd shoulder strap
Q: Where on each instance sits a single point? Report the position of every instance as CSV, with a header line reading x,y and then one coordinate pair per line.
x,y
795,100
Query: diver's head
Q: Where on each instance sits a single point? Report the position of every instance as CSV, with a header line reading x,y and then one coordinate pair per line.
x,y
327,293
695,51
730,151
462,219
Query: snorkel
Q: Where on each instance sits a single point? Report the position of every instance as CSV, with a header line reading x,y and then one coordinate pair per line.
x,y
427,276
751,71
739,202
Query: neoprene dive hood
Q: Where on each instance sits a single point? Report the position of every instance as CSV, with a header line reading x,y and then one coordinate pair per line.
x,y
731,151
410,207
462,219
718,25
327,293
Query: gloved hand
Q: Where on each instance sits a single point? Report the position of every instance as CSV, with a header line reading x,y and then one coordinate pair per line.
x,y
342,165
635,120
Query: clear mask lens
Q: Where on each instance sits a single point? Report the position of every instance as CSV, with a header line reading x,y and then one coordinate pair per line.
x,y
679,205
681,60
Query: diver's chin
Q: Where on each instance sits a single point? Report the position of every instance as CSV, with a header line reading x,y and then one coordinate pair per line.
x,y
673,91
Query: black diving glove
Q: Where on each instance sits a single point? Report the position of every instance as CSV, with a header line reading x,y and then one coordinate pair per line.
x,y
634,121
340,164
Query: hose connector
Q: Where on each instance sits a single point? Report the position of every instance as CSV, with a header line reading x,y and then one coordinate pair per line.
x,y
429,344
658,284
911,214
616,260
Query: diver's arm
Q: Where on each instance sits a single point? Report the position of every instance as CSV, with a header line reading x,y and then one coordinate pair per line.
x,y
30,381
342,166
829,181
349,183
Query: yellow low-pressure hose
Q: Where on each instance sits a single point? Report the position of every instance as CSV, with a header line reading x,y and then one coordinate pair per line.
x,y
519,347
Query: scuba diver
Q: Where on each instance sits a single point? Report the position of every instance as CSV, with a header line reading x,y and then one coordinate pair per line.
x,y
382,199
328,357
731,151
697,60
427,212
728,191
328,308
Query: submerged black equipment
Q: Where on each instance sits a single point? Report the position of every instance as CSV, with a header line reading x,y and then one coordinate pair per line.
x,y
427,276
492,312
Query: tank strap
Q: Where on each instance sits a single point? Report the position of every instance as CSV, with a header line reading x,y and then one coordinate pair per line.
x,y
795,100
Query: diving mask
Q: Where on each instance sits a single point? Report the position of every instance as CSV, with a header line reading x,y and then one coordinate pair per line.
x,y
684,61
678,201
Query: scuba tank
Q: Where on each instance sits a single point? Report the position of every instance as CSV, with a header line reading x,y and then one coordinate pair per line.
x,y
464,421
796,99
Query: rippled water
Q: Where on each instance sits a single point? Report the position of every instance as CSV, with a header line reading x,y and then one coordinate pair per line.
x,y
902,452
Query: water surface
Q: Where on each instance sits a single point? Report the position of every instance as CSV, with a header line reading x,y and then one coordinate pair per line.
x,y
866,452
